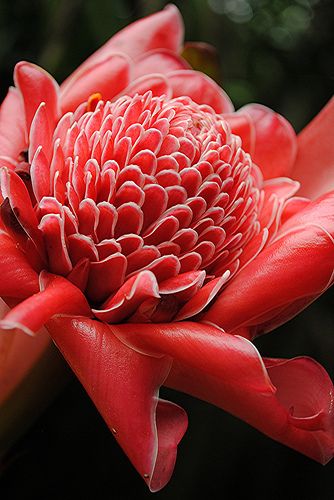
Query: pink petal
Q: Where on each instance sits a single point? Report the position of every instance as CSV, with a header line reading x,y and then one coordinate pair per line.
x,y
12,125
228,371
108,76
201,88
275,146
163,30
155,83
124,386
37,86
284,278
161,60
57,296
314,166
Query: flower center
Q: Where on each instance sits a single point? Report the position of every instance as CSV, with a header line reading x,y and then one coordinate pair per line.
x,y
144,183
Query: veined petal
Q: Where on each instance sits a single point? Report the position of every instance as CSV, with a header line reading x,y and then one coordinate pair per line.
x,y
227,370
314,166
124,385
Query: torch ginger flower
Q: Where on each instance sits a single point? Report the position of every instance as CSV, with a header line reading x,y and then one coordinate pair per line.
x,y
153,232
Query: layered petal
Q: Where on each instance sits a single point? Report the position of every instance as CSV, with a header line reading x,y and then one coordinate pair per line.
x,y
57,296
124,385
314,165
289,400
268,137
108,77
285,277
163,30
200,88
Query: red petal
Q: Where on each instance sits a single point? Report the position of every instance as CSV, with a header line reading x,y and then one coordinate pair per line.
x,y
282,280
107,76
17,278
12,125
275,144
126,301
37,86
314,166
201,88
58,296
124,386
228,371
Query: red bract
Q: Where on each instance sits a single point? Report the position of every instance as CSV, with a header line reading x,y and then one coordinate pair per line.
x,y
153,232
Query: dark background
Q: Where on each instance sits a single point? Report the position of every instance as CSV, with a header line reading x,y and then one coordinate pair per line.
x,y
276,52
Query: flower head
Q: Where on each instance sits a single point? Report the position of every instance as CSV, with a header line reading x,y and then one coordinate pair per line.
x,y
145,224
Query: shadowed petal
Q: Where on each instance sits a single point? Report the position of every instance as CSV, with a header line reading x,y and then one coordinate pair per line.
x,y
17,278
290,401
124,385
57,296
18,354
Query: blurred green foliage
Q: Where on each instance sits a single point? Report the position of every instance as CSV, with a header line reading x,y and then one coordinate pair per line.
x,y
277,52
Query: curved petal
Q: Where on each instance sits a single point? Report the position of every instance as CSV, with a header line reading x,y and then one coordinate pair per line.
x,y
162,60
274,144
36,86
124,386
227,370
107,77
155,83
18,354
283,279
201,88
163,30
314,166
12,125
57,296
17,278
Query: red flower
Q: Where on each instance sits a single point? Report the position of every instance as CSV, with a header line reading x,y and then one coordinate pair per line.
x,y
153,232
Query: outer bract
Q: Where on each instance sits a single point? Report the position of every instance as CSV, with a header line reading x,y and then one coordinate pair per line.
x,y
154,232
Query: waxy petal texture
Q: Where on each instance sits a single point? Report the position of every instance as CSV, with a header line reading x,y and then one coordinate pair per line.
x,y
124,385
268,137
228,371
314,166
285,277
